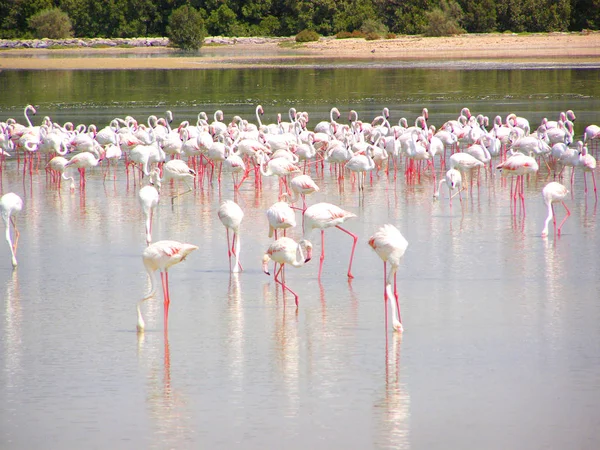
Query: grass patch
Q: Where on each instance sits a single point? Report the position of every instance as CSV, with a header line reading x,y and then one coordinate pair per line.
x,y
290,44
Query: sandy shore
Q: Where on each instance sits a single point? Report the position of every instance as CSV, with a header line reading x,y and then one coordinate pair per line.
x,y
558,47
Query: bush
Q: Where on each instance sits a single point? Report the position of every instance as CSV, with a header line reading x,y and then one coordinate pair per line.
x,y
391,36
343,35
372,36
51,23
307,36
358,34
443,21
373,26
186,28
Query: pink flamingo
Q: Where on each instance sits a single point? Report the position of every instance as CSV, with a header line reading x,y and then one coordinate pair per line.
x,y
588,164
231,215
280,216
390,245
149,197
326,215
82,161
161,256
518,165
552,193
286,251
10,205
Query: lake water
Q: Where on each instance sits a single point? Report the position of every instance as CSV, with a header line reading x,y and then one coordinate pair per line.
x,y
501,347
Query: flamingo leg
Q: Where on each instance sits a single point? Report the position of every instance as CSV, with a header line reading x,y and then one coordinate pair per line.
x,y
385,299
164,276
17,234
564,220
322,257
285,287
355,238
228,248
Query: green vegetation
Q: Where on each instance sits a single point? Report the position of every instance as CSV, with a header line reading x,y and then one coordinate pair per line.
x,y
186,28
148,18
307,36
51,23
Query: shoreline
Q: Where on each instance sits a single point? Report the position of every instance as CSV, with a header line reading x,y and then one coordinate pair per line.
x,y
557,48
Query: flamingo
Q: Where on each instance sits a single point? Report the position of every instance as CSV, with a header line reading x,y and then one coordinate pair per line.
x,y
148,197
177,169
326,215
361,164
279,167
390,245
161,256
57,164
286,251
323,126
82,161
303,185
552,193
231,215
588,164
280,216
453,180
10,205
518,165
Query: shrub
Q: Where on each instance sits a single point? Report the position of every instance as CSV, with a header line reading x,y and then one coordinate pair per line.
x,y
343,35
51,23
186,28
307,36
443,21
391,36
372,36
358,34
373,26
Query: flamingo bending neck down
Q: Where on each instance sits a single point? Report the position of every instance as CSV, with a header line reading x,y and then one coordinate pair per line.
x,y
10,205
390,245
286,251
230,214
161,256
552,193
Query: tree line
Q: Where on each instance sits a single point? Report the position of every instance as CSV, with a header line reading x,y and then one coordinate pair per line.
x,y
139,18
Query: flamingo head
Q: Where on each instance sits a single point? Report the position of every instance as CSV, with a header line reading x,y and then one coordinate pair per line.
x,y
265,263
308,246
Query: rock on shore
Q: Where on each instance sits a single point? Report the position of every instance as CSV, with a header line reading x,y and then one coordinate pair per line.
x,y
122,42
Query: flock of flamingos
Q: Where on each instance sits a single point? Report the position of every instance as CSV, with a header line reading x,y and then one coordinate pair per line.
x,y
191,154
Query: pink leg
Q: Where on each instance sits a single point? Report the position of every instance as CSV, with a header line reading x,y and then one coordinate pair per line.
x,y
385,299
228,250
564,220
396,296
165,283
322,257
355,237
284,286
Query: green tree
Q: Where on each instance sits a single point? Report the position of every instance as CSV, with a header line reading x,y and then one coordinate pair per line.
x,y
186,28
352,15
15,15
51,23
410,17
479,16
222,21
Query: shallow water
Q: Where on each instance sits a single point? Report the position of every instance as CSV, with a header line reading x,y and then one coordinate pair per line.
x,y
501,342
500,348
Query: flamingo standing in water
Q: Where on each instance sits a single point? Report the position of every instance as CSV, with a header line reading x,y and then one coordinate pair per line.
x,y
552,193
390,245
588,164
161,256
453,180
280,216
326,215
177,169
148,197
83,160
10,205
231,215
518,165
286,251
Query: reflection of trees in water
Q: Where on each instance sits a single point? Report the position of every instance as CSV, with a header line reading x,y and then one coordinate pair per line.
x,y
392,412
172,426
